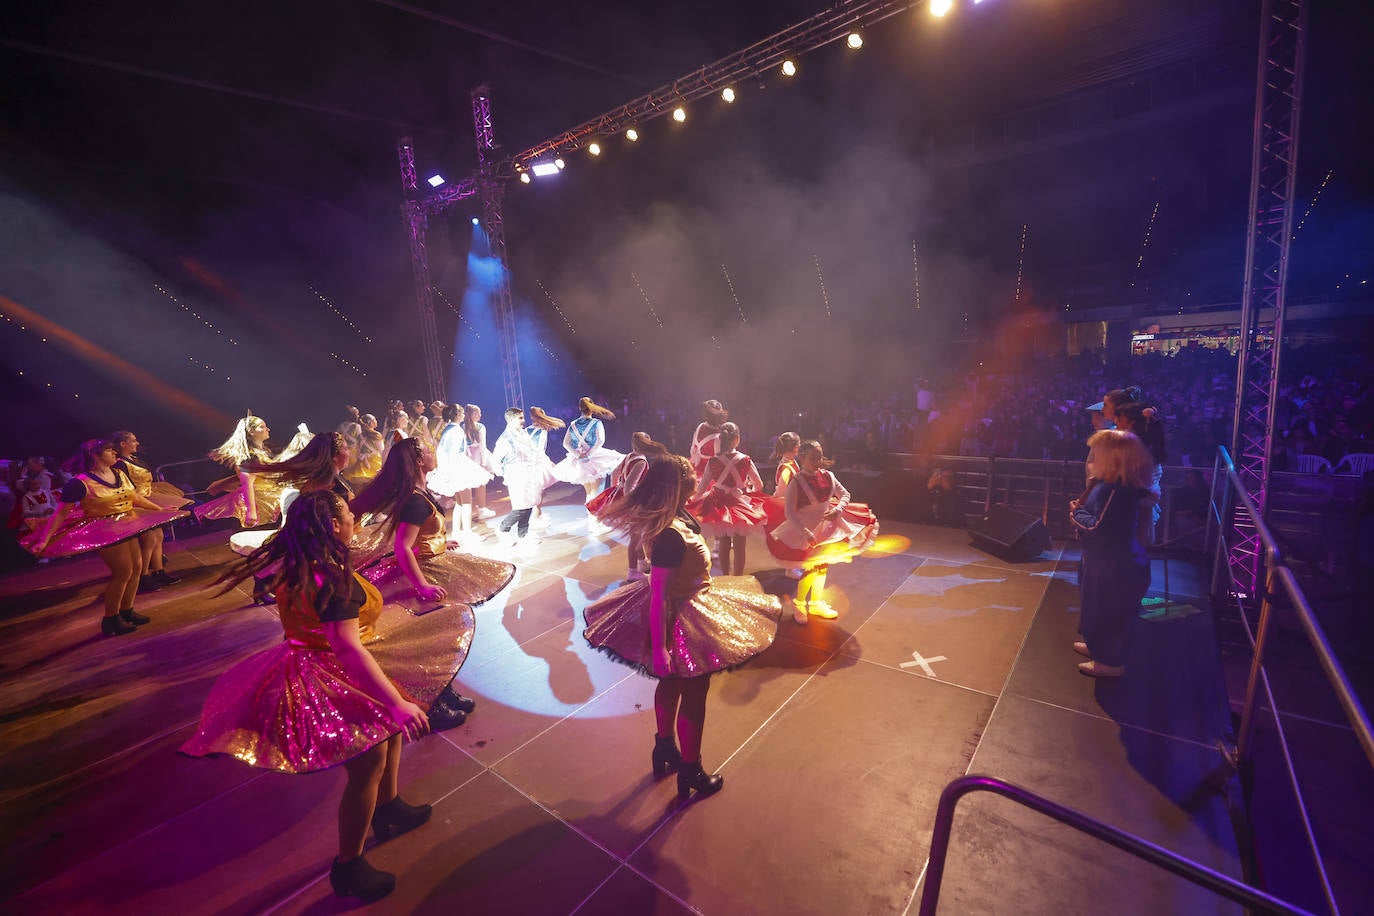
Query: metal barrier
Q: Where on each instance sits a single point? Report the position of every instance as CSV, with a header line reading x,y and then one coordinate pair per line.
x,y
1127,842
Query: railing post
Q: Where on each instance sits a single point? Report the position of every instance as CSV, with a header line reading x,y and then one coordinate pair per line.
x,y
1252,685
987,496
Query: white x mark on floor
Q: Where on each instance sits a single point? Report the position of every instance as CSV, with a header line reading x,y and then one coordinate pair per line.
x,y
920,661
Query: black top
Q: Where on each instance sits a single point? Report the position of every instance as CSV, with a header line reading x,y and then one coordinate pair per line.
x,y
74,490
417,509
341,607
668,547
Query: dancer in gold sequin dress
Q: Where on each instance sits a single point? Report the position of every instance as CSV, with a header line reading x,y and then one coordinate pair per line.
x,y
320,698
153,573
680,626
253,501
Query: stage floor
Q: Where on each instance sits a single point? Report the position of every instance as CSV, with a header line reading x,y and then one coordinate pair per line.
x,y
835,745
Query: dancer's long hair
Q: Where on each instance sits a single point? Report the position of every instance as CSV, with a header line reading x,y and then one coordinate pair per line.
x,y
541,420
784,444
399,477
650,507
306,546
1118,396
238,448
590,408
450,413
1145,422
312,468
810,446
470,412
645,445
1120,457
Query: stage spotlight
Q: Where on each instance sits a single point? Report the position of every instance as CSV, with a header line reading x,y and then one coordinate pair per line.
x,y
855,40
789,68
558,164
594,149
544,169
939,8
632,135
476,222
524,177
728,94
436,180
679,114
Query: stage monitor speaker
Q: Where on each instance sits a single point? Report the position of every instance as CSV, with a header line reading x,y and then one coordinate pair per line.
x,y
1010,533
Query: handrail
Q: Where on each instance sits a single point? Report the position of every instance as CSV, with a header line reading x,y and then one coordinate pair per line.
x,y
1127,842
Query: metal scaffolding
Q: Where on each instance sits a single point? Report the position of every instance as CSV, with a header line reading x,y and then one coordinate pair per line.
x,y
1269,233
417,221
490,190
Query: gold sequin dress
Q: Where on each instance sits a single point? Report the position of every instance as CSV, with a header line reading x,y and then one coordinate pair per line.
x,y
295,709
467,579
267,495
105,516
714,624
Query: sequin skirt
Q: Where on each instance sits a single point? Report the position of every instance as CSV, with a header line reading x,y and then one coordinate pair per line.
x,y
421,654
168,495
289,709
466,578
82,534
722,626
266,494
730,514
838,540
596,465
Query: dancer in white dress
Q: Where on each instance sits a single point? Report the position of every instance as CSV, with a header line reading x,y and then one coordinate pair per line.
x,y
588,459
476,432
456,474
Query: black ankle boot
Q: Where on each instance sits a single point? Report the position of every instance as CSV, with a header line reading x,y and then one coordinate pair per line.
x,y
393,818
356,878
666,756
148,584
262,595
442,716
115,626
132,616
166,578
691,777
455,700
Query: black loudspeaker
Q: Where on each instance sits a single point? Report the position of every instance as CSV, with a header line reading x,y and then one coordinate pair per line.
x,y
1009,533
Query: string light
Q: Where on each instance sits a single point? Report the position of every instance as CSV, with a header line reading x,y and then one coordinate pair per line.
x,y
915,276
454,309
346,320
1145,243
546,349
549,296
1315,198
206,366
348,364
1020,263
21,372
820,277
646,299
734,295
202,319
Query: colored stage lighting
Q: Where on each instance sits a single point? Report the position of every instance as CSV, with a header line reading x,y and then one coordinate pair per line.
x,y
594,149
679,114
789,68
544,169
728,94
558,164
855,40
940,7
632,135
524,177
436,180
475,221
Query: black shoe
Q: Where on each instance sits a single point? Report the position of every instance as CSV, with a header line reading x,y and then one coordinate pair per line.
x,y
148,584
356,878
132,616
395,817
666,756
165,577
442,717
262,595
691,777
115,626
455,700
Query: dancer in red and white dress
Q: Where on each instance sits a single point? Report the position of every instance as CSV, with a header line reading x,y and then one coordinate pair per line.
x,y
706,437
821,527
784,456
624,479
731,501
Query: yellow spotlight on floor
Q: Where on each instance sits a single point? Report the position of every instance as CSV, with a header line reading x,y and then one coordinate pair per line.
x,y
524,177
789,68
679,114
632,135
855,40
594,149
939,8
728,94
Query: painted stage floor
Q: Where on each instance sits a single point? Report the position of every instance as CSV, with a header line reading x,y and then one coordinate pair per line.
x,y
834,744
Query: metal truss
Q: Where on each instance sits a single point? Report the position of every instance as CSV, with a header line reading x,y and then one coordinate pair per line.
x,y
751,63
1273,178
416,222
490,191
